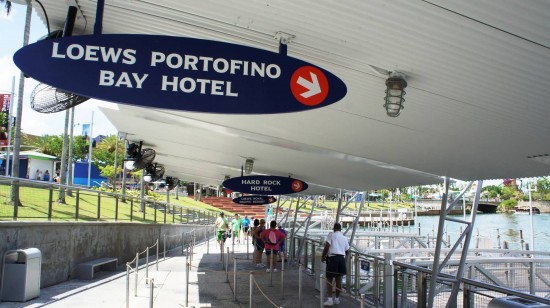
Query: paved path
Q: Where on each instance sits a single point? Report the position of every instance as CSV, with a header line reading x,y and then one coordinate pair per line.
x,y
208,286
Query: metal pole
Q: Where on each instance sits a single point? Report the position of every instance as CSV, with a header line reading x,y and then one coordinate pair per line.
x,y
157,263
116,161
251,289
164,247
531,214
147,265
321,287
283,279
127,285
187,269
71,155
207,242
136,271
90,151
10,124
362,299
300,285
151,293
271,269
227,266
235,279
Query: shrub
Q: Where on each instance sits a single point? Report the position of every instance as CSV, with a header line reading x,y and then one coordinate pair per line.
x,y
507,205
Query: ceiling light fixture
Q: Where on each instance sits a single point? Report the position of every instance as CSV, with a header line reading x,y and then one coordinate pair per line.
x,y
395,91
248,165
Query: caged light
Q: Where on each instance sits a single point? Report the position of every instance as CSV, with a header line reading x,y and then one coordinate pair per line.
x,y
248,165
395,90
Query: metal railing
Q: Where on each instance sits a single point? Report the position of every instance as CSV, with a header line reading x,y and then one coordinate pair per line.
x,y
39,201
400,277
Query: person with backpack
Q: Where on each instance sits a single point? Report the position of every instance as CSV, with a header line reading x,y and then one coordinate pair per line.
x,y
272,239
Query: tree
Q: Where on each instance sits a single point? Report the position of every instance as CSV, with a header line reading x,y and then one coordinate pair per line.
x,y
104,156
8,6
53,145
543,186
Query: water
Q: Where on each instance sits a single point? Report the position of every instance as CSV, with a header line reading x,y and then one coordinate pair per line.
x,y
508,224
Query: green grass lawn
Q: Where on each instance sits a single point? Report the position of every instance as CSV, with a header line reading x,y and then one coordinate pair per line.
x,y
96,206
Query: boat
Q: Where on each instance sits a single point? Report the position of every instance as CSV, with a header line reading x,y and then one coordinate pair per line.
x,y
525,210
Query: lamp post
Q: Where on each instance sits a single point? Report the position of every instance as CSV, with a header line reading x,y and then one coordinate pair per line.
x,y
90,152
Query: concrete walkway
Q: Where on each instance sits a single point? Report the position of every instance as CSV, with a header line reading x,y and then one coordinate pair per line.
x,y
209,286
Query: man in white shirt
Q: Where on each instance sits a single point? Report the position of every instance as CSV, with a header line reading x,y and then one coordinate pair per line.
x,y
334,253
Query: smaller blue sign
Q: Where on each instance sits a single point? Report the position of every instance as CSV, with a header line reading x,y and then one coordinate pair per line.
x,y
255,200
265,184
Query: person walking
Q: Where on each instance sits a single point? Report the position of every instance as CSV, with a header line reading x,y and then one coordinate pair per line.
x,y
259,227
222,226
272,238
282,246
334,254
236,227
246,227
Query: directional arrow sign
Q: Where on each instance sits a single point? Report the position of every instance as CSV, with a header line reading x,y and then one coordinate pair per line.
x,y
180,73
309,85
264,184
255,200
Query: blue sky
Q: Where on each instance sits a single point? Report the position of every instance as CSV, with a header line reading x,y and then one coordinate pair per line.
x,y
11,31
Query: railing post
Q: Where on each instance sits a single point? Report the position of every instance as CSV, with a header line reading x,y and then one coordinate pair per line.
x,y
234,279
357,273
136,271
157,263
77,206
127,284
131,209
166,208
283,279
98,206
388,280
422,290
271,269
50,204
207,242
348,277
147,265
152,286
227,266
321,287
251,289
116,208
300,269
376,282
188,268
164,247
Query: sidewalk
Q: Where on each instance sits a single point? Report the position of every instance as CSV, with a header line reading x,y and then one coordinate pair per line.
x,y
209,285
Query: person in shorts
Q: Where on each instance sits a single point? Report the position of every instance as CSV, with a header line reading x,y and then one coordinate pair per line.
x,y
221,228
334,254
272,238
236,227
246,227
258,243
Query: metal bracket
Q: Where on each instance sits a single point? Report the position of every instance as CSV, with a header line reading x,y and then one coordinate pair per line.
x,y
284,38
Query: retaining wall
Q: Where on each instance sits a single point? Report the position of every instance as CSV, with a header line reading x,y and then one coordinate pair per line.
x,y
66,244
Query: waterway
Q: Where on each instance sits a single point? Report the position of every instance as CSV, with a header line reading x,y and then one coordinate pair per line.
x,y
509,226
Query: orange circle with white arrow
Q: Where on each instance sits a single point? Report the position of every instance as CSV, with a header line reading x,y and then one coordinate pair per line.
x,y
309,85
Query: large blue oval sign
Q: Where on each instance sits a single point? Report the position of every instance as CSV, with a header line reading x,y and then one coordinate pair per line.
x,y
265,185
180,73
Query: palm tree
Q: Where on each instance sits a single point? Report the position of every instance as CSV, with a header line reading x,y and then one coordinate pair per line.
x,y
8,6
